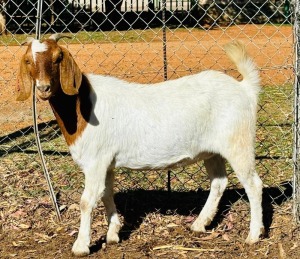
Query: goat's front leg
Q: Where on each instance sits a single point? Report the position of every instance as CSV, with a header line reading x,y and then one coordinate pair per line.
x,y
114,224
93,191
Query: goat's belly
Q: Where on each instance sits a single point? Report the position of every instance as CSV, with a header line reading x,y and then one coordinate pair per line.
x,y
145,163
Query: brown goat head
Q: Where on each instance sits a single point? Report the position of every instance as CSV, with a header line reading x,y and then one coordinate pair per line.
x,y
49,67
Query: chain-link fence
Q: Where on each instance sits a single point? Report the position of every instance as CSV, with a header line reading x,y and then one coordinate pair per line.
x,y
149,41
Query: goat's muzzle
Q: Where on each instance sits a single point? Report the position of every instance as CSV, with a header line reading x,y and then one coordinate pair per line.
x,y
44,91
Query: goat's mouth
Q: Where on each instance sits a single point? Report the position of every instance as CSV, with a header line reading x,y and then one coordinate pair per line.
x,y
44,95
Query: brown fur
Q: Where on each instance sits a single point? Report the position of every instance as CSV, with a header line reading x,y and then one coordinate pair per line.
x,y
73,112
55,63
69,88
24,78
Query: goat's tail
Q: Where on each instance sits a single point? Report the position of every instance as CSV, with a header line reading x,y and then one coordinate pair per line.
x,y
237,53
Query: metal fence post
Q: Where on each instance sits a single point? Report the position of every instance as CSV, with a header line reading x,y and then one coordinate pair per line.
x,y
164,3
35,125
296,181
39,19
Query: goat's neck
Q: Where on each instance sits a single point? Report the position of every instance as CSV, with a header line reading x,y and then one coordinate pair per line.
x,y
72,112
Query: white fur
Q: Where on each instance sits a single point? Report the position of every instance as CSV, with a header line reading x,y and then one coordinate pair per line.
x,y
208,116
155,126
37,47
38,83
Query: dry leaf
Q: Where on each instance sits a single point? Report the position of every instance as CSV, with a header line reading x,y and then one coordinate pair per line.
x,y
18,244
295,245
59,229
14,228
72,233
43,238
74,206
31,251
226,237
171,225
19,214
282,253
4,204
213,235
189,219
24,226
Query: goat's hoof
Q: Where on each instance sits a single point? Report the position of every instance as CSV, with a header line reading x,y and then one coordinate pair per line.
x,y
112,238
251,240
80,250
196,227
254,238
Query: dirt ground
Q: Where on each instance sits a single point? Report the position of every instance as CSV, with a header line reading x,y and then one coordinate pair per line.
x,y
156,224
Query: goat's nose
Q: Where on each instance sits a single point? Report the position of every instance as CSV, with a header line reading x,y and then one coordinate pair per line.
x,y
43,88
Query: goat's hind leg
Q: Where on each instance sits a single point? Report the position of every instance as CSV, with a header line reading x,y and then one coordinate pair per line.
x,y
215,167
243,163
114,224
93,191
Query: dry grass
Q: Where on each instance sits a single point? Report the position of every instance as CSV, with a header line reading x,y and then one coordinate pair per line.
x,y
156,222
156,225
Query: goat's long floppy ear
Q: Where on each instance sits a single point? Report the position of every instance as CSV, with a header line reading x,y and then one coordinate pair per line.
x,y
70,74
24,82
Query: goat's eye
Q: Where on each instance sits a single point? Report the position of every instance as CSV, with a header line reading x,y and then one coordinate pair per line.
x,y
27,61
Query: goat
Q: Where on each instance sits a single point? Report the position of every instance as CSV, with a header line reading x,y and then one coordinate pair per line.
x,y
108,123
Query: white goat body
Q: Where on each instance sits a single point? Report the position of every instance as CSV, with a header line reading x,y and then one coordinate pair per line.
x,y
111,123
155,126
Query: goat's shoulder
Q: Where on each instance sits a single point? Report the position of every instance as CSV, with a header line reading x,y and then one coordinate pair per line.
x,y
110,84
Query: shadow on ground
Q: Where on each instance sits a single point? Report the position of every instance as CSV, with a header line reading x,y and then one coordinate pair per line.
x,y
135,204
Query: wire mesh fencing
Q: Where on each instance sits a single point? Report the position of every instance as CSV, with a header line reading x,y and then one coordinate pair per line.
x,y
149,41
